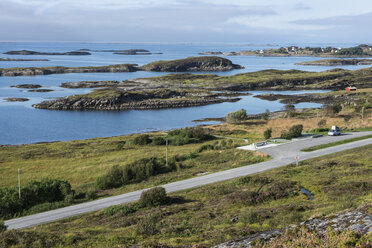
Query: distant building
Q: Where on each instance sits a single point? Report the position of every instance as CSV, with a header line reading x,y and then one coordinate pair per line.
x,y
351,88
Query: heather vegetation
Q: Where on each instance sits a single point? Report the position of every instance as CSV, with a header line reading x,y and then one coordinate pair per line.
x,y
213,214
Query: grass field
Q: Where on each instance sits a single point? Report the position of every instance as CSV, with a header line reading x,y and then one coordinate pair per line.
x,y
212,214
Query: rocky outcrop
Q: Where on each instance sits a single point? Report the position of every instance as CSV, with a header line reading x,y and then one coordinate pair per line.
x,y
32,71
123,52
9,59
16,99
297,98
337,62
116,99
358,221
206,63
89,84
27,52
41,90
27,86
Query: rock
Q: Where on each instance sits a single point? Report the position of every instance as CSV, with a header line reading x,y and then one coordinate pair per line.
x,y
27,86
41,90
16,99
27,52
337,62
119,99
89,84
359,221
210,53
31,71
204,63
9,59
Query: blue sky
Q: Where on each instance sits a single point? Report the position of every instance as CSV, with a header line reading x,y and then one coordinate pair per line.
x,y
264,21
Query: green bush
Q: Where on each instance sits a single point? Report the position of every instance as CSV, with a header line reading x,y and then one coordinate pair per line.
x,y
133,172
267,133
265,115
236,117
142,139
336,108
148,225
32,194
294,132
117,209
188,135
112,179
159,141
2,226
153,197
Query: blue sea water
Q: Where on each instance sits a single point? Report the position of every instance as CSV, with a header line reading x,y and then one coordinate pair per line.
x,y
20,123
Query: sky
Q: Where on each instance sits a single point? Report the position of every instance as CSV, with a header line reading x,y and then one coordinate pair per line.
x,y
241,21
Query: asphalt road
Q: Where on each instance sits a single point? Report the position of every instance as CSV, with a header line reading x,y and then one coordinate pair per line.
x,y
282,155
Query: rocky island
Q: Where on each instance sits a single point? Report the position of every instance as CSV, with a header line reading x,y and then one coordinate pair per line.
x,y
16,99
89,84
120,99
123,52
337,62
206,63
184,90
27,86
31,71
27,52
10,59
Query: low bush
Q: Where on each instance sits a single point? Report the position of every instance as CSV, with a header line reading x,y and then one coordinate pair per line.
x,y
153,197
267,133
294,132
32,194
2,226
188,135
117,209
236,117
142,139
132,173
159,141
148,225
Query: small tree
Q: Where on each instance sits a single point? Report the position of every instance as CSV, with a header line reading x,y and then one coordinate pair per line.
x,y
267,133
266,115
336,108
153,197
322,123
289,109
236,117
294,132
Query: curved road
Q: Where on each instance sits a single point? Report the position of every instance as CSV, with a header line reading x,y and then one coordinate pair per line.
x,y
282,155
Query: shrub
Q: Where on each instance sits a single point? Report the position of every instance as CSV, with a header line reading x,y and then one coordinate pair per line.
x,y
322,123
336,108
236,117
2,226
32,194
159,141
250,217
148,225
112,179
117,209
267,133
265,115
188,135
142,139
294,132
153,197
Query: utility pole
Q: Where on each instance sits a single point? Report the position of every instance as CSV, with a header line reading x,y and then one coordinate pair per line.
x,y
19,183
166,152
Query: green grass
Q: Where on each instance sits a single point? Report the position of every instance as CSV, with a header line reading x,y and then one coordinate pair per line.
x,y
212,214
345,141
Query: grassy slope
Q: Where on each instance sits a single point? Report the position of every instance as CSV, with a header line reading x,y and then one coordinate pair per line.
x,y
212,214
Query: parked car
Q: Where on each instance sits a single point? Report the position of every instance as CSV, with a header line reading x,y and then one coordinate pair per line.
x,y
334,131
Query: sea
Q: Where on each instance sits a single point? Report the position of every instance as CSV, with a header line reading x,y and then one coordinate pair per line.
x,y
20,123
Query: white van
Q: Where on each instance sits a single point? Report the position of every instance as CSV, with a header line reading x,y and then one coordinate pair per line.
x,y
334,131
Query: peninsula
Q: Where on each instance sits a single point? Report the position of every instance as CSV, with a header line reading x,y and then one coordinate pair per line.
x,y
337,62
358,51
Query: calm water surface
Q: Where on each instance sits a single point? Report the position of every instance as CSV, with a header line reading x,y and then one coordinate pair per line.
x,y
20,123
